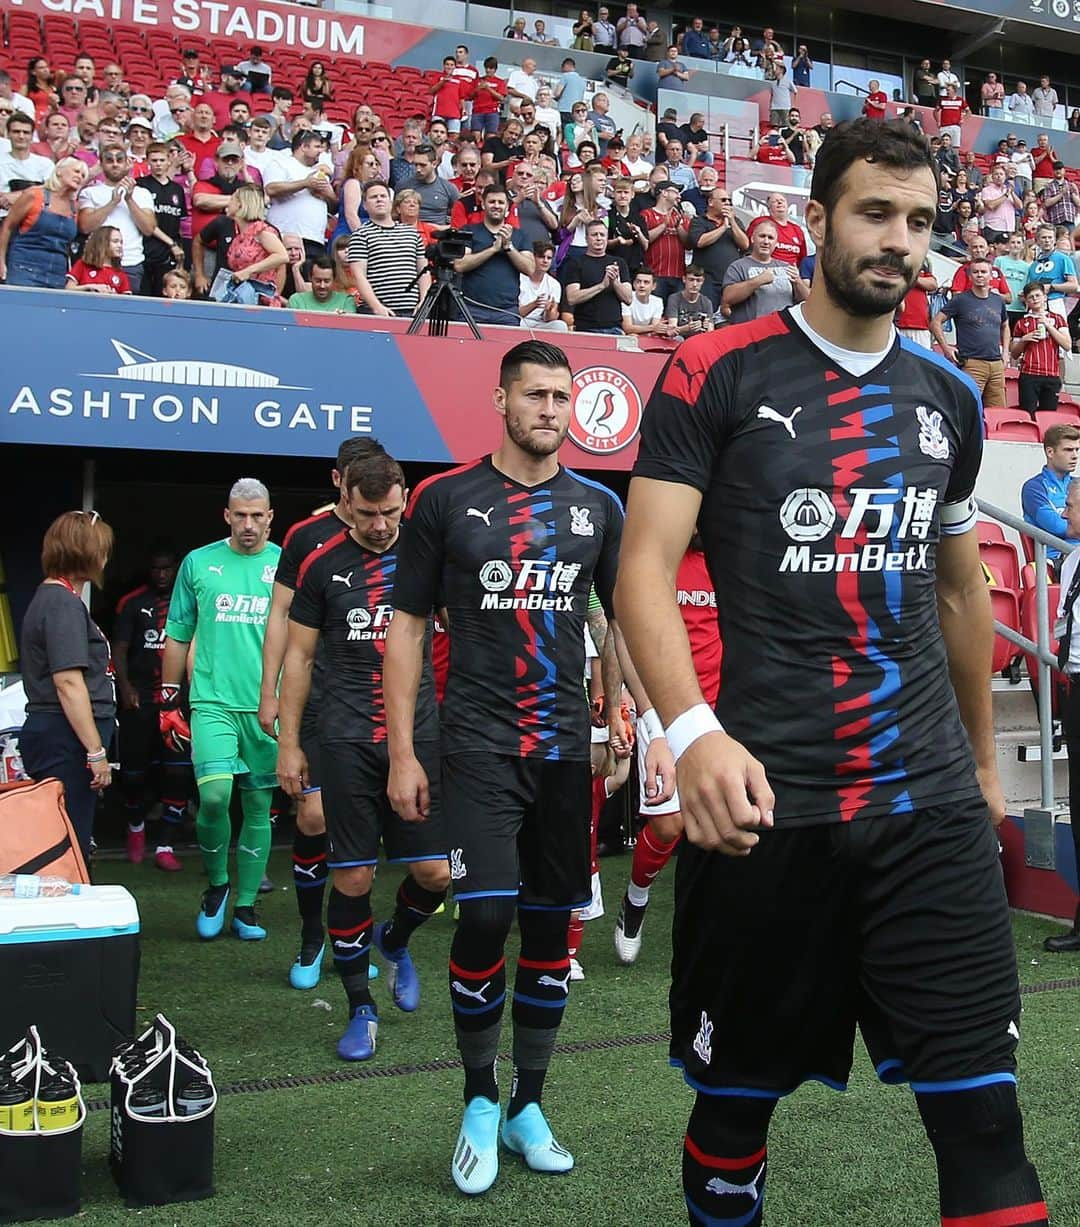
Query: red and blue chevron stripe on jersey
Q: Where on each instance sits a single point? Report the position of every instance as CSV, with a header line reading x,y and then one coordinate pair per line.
x,y
867,721
536,674
379,572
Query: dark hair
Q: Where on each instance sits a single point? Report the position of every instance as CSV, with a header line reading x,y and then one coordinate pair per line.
x,y
356,449
373,183
493,189
425,150
304,135
890,143
542,246
20,117
491,62
596,221
282,91
693,270
374,475
536,353
323,262
1032,285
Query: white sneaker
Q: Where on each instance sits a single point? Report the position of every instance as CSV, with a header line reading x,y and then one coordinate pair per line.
x,y
577,972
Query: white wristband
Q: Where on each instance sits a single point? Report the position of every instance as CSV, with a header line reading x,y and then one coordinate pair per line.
x,y
651,725
684,730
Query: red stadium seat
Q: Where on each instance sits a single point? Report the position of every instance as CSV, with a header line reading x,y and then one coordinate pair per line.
x,y
1047,418
1028,573
999,417
1017,432
1002,554
1029,627
989,530
1005,606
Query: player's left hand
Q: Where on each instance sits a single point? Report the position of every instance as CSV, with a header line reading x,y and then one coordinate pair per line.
x,y
407,789
292,770
659,772
992,793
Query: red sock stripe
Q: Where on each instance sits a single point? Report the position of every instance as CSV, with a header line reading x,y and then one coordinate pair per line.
x,y
351,932
537,965
1011,1216
477,975
309,860
724,1165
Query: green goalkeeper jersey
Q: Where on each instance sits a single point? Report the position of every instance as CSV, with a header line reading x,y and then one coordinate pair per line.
x,y
221,600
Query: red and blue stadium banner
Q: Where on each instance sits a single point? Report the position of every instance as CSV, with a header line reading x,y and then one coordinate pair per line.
x,y
84,371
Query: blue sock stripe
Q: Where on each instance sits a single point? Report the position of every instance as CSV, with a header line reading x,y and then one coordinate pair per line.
x,y
350,864
477,1009
413,860
348,958
709,1220
307,884
551,907
485,894
962,1084
548,1005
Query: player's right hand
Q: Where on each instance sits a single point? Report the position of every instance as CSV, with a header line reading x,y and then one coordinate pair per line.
x,y
268,715
724,795
292,770
407,789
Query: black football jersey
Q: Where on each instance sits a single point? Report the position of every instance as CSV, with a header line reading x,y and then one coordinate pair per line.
x,y
824,498
140,623
344,591
513,566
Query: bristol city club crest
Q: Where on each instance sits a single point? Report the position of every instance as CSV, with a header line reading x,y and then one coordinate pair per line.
x,y
605,414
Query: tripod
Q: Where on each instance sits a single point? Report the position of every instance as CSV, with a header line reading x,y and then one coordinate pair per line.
x,y
435,310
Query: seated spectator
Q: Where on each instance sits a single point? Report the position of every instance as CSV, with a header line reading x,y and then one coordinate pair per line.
x,y
717,240
876,101
98,269
540,294
387,259
301,194
469,209
643,316
437,196
516,30
947,158
982,333
689,311
257,72
491,267
1042,497
1039,338
790,245
322,296
257,256
772,149
177,285
37,233
666,227
172,114
913,318
138,133
1060,199
317,85
1074,120
210,251
695,139
531,214
282,100
597,284
406,211
697,197
1052,269
978,252
540,34
675,168
758,284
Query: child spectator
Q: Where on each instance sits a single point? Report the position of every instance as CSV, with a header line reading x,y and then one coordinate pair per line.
x,y
99,268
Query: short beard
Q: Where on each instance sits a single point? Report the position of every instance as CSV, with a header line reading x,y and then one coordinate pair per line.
x,y
840,274
524,440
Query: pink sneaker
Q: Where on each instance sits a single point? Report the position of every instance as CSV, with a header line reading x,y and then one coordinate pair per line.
x,y
136,845
166,858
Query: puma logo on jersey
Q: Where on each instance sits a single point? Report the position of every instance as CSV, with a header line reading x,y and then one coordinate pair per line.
x,y
724,1188
768,414
480,515
345,579
149,612
477,993
551,982
217,570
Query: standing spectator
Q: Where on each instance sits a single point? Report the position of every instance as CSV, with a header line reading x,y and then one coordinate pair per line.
x,y
951,112
547,116
717,50
39,87
300,192
401,166
790,238
913,318
644,315
1074,120
978,251
1060,199
1069,662
634,165
193,77
37,232
70,698
570,91
992,94
56,142
120,202
739,54
1040,338
1052,269
924,87
257,152
1044,99
605,35
782,91
163,248
1000,205
491,267
626,236
1021,106
139,135
221,99
824,125
1014,268
802,143
632,31
698,197
672,72
210,196
172,114
667,228
202,140
530,213
579,208
971,168
522,83
257,72
489,94
580,128
597,284
540,294
876,101
1043,497
317,85
322,296
602,123
499,151
98,268
689,311
695,41
802,66
72,99
361,169
1023,165
982,333
20,166
766,47
540,34
946,78
582,30
758,284
85,70
437,195
448,96
717,241
387,259
257,256
1043,157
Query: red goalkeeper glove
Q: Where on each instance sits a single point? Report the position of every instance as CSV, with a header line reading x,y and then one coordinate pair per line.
x,y
175,729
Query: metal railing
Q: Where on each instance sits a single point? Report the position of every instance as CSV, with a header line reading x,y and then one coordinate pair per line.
x,y
1040,649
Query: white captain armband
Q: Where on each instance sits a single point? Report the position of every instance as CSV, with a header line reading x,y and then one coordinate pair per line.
x,y
684,730
959,517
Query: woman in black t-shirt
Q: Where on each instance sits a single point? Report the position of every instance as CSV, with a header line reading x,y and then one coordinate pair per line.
x,y
67,671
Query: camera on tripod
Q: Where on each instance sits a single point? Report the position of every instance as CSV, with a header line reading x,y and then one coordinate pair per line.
x,y
449,245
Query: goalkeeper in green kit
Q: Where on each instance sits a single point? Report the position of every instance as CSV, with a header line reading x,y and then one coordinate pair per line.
x,y
221,600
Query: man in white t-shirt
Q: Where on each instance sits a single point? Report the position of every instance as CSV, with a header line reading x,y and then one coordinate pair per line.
x,y
119,202
300,192
522,83
540,294
644,317
257,154
20,168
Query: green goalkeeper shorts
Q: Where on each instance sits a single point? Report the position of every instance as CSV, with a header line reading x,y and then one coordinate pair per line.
x,y
230,743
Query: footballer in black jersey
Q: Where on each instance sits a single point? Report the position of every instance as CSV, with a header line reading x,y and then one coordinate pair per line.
x,y
509,545
138,640
841,869
309,840
342,603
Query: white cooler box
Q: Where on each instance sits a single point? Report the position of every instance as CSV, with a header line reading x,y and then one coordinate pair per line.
x,y
70,967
